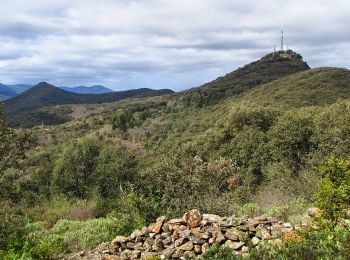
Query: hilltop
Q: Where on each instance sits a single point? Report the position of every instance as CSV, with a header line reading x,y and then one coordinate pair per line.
x,y
269,68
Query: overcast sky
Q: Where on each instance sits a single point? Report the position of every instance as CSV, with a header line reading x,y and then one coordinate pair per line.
x,y
174,44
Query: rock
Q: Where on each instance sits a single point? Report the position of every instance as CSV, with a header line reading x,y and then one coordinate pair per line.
x,y
135,234
211,218
120,239
189,255
234,245
219,237
255,241
287,225
200,234
232,234
211,240
245,249
192,218
144,231
197,241
130,245
178,253
180,241
205,247
126,254
313,212
168,252
158,245
165,227
188,246
177,221
198,249
156,227
136,254
145,255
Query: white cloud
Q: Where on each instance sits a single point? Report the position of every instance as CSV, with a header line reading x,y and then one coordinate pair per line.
x,y
161,43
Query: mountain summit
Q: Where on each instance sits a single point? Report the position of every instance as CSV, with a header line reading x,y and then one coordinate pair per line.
x,y
270,67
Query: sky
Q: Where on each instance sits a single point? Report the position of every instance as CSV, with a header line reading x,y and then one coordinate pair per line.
x,y
177,44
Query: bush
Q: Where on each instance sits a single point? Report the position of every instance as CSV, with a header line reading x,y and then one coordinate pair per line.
x,y
333,195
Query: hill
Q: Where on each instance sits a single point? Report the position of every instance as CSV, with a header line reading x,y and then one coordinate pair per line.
x,y
46,95
6,92
269,68
97,89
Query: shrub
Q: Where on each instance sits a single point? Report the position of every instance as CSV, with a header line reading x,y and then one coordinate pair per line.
x,y
333,195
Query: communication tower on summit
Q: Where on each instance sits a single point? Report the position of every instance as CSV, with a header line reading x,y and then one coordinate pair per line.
x,y
282,40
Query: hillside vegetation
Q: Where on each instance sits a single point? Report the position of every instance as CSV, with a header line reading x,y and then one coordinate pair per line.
x,y
261,149
21,110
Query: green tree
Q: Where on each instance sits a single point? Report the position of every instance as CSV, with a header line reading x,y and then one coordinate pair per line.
x,y
115,171
74,168
122,119
333,195
12,144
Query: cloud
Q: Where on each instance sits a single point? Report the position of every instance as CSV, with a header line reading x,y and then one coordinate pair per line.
x,y
161,43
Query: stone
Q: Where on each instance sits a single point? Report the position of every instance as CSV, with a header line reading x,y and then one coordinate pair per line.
x,y
130,245
219,237
180,241
188,246
145,255
135,254
211,218
313,212
255,241
178,253
205,247
144,231
245,249
192,218
197,241
198,249
189,255
120,239
126,254
185,233
232,234
168,252
158,245
287,225
136,234
156,227
242,236
177,221
201,234
165,227
211,240
234,245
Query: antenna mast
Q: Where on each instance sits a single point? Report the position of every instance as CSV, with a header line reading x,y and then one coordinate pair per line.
x,y
281,40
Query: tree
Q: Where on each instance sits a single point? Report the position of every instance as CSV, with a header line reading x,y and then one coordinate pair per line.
x,y
13,144
74,168
122,119
333,195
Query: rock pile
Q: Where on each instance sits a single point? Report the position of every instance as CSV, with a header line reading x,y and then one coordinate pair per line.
x,y
191,236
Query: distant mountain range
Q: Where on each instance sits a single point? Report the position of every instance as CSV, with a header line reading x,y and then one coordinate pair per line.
x,y
9,91
42,95
97,89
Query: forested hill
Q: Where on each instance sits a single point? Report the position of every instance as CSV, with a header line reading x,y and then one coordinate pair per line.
x,y
269,68
46,95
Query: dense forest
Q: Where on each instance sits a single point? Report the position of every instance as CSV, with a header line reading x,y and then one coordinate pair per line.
x,y
276,144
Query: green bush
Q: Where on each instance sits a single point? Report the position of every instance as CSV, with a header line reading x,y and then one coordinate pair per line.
x,y
333,195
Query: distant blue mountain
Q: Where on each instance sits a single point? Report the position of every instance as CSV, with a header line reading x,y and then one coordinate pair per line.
x,y
6,92
19,88
97,89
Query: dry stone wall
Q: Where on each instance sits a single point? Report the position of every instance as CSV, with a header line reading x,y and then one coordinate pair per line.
x,y
191,236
